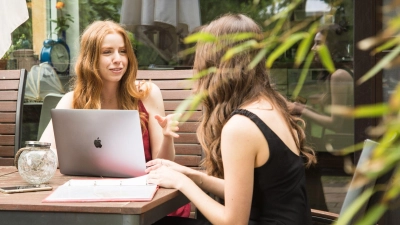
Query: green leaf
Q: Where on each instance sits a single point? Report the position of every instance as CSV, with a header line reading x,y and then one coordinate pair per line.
x,y
238,49
387,45
260,55
305,45
326,59
240,36
284,13
376,110
203,73
201,36
303,75
373,215
380,65
189,106
187,51
346,216
284,47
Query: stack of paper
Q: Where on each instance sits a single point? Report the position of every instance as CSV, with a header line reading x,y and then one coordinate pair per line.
x,y
104,190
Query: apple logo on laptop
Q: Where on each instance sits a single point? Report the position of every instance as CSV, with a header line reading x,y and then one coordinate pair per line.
x,y
97,143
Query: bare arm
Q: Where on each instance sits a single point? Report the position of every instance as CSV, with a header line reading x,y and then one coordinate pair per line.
x,y
207,183
162,145
239,147
341,84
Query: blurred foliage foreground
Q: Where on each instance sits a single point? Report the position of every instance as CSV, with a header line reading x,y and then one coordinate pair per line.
x,y
276,41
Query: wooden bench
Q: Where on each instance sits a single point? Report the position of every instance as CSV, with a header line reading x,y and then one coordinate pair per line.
x,y
12,89
175,88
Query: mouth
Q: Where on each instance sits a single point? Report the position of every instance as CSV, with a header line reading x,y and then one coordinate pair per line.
x,y
116,70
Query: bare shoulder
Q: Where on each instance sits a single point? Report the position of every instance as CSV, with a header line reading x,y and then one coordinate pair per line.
x,y
341,75
66,101
149,86
154,98
238,126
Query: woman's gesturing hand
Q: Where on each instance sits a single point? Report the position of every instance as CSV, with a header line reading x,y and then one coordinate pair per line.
x,y
169,124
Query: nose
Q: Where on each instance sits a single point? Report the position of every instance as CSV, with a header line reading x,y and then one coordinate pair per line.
x,y
117,57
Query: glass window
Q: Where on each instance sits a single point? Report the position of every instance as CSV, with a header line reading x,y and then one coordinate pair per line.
x,y
390,77
321,91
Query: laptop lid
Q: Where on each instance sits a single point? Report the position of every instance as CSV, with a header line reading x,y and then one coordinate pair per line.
x,y
104,143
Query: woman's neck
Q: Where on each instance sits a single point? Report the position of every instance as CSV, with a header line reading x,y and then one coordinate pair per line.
x,y
109,97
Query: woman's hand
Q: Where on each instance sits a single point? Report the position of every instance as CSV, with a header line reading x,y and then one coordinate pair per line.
x,y
295,108
169,124
166,177
157,163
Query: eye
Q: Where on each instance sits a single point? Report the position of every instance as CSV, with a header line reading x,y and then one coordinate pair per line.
x,y
123,51
106,51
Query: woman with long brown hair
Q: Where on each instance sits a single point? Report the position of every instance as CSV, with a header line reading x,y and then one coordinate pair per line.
x,y
255,150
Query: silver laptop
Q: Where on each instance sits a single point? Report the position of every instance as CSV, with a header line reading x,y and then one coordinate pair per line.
x,y
104,143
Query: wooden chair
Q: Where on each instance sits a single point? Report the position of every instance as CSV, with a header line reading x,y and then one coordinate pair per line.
x,y
322,217
12,89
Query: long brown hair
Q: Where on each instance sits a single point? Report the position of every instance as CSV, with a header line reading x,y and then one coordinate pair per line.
x,y
88,83
231,86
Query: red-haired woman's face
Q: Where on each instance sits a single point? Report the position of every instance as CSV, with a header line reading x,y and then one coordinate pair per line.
x,y
113,58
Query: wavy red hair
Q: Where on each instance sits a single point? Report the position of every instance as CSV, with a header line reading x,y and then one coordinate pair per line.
x,y
88,83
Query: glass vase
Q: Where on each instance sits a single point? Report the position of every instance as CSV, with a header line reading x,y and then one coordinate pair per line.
x,y
37,163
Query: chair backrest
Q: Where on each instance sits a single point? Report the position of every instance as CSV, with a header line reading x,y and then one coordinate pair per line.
x,y
50,101
175,88
356,191
12,88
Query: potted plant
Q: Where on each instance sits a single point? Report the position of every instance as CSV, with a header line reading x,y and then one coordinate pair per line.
x,y
6,57
9,60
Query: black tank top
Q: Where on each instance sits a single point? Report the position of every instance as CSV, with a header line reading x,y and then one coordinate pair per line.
x,y
279,192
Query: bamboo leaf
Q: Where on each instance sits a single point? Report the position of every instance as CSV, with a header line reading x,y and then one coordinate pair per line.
x,y
204,73
187,51
305,45
380,65
373,215
284,47
394,100
200,36
239,49
387,45
284,13
260,55
367,43
303,75
376,110
326,59
348,214
189,106
240,36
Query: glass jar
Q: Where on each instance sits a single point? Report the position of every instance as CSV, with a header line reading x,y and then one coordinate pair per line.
x,y
37,163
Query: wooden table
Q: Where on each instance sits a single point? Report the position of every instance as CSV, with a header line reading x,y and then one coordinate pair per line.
x,y
27,208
